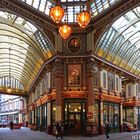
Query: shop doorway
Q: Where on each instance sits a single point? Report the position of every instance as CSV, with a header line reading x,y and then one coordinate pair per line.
x,y
74,123
75,118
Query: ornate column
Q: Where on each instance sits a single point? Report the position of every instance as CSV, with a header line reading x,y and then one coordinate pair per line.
x,y
101,127
135,115
101,117
121,117
57,71
90,86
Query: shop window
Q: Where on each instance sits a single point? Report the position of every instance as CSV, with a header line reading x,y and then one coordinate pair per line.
x,y
74,107
138,90
44,121
53,108
110,81
96,113
105,113
53,80
111,114
129,90
46,82
128,115
104,80
117,84
74,75
96,77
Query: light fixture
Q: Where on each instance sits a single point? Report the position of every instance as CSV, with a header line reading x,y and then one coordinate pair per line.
x,y
9,87
57,13
83,18
9,90
65,31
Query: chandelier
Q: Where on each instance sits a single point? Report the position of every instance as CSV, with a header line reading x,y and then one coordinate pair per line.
x,y
57,13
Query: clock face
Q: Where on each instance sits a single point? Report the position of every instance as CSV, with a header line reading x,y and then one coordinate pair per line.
x,y
74,45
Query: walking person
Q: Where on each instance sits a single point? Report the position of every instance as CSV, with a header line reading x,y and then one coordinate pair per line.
x,y
107,130
11,125
59,130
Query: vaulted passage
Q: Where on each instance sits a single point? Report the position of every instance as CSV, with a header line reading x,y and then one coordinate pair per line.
x,y
73,67
23,51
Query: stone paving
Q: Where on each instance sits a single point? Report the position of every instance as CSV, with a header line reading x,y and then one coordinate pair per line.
x,y
27,134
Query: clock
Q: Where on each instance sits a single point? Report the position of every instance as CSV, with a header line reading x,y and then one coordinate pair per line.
x,y
74,45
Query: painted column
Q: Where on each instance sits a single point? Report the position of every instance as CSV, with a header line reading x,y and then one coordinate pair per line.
x,y
20,118
48,114
58,86
101,131
33,117
90,88
101,119
135,115
40,115
121,118
49,128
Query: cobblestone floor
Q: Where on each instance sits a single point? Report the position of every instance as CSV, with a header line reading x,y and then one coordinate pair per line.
x,y
27,134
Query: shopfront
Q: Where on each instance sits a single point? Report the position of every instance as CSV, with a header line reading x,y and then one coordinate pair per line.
x,y
128,114
111,113
74,116
44,116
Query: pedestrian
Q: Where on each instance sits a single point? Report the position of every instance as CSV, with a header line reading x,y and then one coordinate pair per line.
x,y
11,125
59,130
107,130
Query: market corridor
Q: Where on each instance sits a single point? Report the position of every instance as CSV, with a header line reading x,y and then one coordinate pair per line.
x,y
27,134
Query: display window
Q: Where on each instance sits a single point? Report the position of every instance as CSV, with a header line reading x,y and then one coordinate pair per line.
x,y
111,114
128,114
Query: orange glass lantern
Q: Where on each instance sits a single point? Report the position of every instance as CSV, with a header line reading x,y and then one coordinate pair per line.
x,y
83,18
65,31
57,13
9,90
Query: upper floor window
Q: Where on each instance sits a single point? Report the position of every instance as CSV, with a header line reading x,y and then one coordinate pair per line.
x,y
138,90
74,75
129,90
104,80
110,81
117,84
96,77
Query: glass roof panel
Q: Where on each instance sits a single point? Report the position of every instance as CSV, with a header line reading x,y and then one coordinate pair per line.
x,y
42,6
123,47
23,49
96,6
36,4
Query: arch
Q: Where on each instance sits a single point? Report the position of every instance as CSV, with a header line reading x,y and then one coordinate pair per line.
x,y
121,41
21,53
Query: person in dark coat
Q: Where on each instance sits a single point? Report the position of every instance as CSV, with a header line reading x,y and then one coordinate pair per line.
x,y
59,130
11,125
107,130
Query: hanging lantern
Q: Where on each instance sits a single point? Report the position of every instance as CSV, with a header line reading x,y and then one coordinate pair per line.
x,y
83,18
65,31
9,90
57,13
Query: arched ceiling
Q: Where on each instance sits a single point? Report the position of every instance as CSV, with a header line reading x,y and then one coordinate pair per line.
x,y
23,49
73,6
120,44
